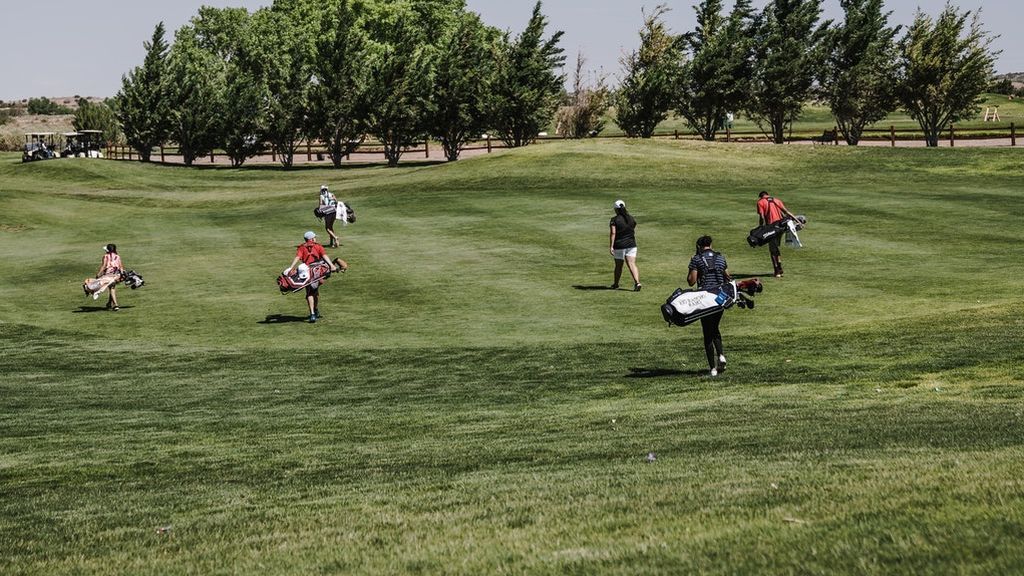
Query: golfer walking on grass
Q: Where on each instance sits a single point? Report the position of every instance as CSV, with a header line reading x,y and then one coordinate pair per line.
x,y
771,210
707,270
622,244
111,265
309,252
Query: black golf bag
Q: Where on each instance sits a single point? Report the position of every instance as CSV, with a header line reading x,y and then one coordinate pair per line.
x,y
132,279
763,234
685,307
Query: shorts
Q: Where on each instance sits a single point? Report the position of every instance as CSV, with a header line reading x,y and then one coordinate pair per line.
x,y
621,253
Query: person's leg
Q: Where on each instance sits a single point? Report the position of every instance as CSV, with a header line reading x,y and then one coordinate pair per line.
x,y
633,271
618,273
707,327
716,339
329,225
773,249
311,302
112,301
316,304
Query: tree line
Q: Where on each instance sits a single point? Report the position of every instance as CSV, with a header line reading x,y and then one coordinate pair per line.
x,y
769,63
337,72
399,71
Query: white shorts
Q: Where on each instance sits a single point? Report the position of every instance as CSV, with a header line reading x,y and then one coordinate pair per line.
x,y
621,254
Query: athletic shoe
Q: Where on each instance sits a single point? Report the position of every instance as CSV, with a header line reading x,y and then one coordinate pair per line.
x,y
116,308
721,363
319,316
637,287
613,287
714,373
96,296
312,318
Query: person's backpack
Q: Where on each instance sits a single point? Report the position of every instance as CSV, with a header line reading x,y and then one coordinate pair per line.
x,y
350,214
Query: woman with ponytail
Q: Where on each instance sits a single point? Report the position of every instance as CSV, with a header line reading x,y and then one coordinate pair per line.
x,y
622,244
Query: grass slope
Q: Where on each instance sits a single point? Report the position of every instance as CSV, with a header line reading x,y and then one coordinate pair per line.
x,y
466,408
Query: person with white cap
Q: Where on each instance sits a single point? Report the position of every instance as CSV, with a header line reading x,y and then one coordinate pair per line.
x,y
622,244
327,199
308,253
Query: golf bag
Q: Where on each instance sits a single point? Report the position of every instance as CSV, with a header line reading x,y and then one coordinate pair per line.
x,y
308,275
344,212
96,286
685,307
763,234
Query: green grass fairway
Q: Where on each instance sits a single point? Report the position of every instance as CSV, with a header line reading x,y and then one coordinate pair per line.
x,y
472,405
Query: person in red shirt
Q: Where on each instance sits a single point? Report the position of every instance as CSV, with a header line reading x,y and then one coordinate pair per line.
x,y
771,210
308,253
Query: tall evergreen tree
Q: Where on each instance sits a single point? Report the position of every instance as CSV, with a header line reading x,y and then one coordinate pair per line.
x,y
946,64
338,102
646,93
196,92
143,105
462,79
788,52
859,79
715,81
526,89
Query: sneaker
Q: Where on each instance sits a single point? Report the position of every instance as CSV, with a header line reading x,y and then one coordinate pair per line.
x,y
96,296
613,287
637,287
116,308
318,315
312,318
714,373
721,363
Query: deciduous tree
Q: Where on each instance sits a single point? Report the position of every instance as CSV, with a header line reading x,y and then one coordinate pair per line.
x,y
650,74
859,79
462,79
945,66
97,116
715,81
788,52
196,93
583,114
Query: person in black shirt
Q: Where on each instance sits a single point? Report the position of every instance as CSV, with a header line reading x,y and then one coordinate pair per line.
x,y
707,270
622,244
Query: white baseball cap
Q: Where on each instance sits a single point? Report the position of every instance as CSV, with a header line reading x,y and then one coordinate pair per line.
x,y
309,235
620,204
323,187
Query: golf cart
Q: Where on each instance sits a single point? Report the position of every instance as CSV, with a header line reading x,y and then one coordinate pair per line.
x,y
83,144
39,146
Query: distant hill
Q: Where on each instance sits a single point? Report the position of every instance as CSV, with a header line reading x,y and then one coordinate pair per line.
x,y
1012,76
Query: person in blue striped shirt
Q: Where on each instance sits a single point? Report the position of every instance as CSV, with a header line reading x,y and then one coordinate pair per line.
x,y
707,270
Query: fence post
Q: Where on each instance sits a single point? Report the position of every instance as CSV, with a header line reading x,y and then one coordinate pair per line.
x,y
952,136
129,154
728,133
675,134
273,155
892,136
1013,134
488,139
162,154
309,152
835,134
426,148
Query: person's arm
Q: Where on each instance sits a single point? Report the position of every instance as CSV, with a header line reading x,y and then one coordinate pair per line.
x,y
726,275
291,266
611,240
691,278
760,216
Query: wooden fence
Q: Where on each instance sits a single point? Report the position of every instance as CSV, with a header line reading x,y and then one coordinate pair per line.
x,y
313,151
320,152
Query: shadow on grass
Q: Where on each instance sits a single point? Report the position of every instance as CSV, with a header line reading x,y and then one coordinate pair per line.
x,y
748,276
282,319
660,372
592,288
88,309
277,167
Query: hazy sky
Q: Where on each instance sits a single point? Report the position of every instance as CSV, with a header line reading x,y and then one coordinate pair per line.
x,y
67,47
